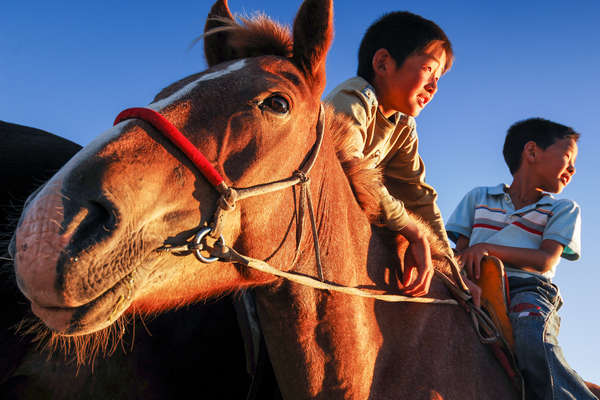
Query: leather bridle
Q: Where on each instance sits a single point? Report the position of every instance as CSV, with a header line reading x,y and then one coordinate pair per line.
x,y
229,195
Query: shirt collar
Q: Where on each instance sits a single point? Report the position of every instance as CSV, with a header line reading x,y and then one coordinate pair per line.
x,y
502,189
498,190
408,120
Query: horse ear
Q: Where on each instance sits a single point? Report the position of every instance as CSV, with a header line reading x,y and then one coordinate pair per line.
x,y
313,33
215,40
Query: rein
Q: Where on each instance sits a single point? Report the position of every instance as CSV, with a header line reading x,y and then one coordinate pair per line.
x,y
227,202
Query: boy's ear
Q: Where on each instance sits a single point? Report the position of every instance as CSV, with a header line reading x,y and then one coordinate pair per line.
x,y
381,61
530,151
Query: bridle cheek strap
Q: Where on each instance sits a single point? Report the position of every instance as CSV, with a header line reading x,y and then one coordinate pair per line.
x,y
176,137
230,195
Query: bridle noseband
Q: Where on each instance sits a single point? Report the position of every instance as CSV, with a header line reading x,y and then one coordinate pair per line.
x,y
230,195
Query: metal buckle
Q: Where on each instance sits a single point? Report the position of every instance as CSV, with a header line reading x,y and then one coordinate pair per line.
x,y
199,246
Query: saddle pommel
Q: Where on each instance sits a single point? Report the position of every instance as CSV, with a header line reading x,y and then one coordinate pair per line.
x,y
494,297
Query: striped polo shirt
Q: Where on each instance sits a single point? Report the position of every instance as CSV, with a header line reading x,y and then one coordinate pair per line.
x,y
487,215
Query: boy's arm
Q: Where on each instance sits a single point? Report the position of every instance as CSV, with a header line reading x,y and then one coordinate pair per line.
x,y
360,110
405,180
561,237
532,260
462,243
417,285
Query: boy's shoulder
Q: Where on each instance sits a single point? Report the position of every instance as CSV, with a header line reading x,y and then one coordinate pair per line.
x,y
563,204
354,90
563,225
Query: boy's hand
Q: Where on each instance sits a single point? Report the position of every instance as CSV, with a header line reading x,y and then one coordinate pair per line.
x,y
417,279
470,259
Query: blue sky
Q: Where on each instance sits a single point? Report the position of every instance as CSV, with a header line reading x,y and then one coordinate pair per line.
x,y
69,67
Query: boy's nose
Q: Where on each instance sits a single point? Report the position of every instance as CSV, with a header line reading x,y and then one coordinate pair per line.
x,y
431,86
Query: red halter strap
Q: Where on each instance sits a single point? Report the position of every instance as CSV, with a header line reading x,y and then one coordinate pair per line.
x,y
176,137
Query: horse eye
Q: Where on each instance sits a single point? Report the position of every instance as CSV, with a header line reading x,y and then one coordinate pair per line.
x,y
276,103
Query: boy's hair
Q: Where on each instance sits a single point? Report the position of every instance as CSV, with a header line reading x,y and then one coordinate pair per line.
x,y
402,34
539,130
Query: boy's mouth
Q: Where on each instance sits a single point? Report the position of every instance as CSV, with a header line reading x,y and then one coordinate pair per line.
x,y
565,179
422,100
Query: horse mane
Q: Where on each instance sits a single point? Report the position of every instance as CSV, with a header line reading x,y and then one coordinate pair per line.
x,y
254,36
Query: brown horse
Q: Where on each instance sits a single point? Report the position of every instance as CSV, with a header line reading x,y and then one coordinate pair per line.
x,y
85,247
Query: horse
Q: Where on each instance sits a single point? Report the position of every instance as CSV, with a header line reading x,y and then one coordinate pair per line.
x,y
166,355
172,205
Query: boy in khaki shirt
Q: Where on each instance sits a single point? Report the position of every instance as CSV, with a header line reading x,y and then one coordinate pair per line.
x,y
401,58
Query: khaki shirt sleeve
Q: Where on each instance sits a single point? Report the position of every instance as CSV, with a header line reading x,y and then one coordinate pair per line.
x,y
362,114
405,180
394,215
353,105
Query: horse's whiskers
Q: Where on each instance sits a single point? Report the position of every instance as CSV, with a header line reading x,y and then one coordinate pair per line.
x,y
79,349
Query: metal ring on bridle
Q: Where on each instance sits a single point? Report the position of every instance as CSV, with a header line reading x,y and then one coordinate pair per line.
x,y
198,248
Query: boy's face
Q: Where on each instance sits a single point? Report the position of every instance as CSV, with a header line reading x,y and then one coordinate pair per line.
x,y
410,87
556,165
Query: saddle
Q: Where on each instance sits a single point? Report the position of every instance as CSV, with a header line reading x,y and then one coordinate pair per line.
x,y
495,301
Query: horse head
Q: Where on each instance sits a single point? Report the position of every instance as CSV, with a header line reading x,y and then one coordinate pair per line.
x,y
85,244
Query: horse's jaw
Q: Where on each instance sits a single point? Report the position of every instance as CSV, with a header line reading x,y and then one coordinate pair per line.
x,y
50,276
80,289
81,286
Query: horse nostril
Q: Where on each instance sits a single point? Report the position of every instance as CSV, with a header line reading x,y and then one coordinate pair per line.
x,y
91,224
104,215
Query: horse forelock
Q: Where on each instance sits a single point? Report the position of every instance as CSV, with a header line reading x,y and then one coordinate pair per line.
x,y
254,36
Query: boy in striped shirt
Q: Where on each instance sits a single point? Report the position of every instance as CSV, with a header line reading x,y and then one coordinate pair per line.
x,y
529,230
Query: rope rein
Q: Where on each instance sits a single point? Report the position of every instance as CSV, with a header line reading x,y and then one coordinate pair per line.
x,y
230,255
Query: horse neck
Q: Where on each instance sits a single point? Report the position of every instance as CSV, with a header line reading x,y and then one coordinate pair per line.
x,y
330,345
302,325
345,234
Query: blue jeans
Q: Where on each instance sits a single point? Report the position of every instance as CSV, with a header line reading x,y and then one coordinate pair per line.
x,y
534,303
